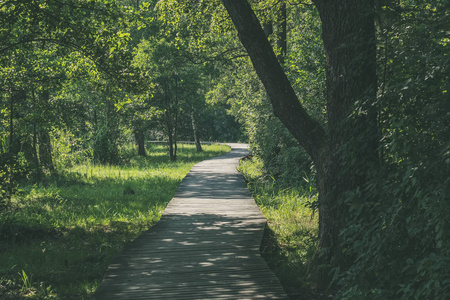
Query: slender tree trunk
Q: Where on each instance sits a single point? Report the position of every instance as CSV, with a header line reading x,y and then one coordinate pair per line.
x,y
10,169
175,144
175,148
140,141
112,125
36,162
198,145
169,129
45,150
45,147
37,165
11,123
171,150
176,112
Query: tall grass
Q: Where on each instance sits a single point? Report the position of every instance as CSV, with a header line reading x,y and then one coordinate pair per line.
x,y
57,238
290,239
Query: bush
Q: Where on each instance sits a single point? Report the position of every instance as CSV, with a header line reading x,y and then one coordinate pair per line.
x,y
398,232
105,148
68,149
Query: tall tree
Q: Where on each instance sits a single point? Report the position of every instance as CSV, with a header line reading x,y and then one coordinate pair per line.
x,y
342,149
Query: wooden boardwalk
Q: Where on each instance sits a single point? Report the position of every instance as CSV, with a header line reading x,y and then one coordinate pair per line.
x,y
206,245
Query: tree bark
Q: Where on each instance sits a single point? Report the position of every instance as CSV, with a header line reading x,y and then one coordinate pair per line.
x,y
174,138
198,145
348,33
170,135
140,141
45,147
11,123
10,156
171,150
45,150
176,112
37,165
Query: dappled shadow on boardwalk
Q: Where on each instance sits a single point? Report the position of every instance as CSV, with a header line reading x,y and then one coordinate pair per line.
x,y
194,257
206,245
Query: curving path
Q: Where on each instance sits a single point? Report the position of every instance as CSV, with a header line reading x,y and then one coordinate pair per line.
x,y
206,245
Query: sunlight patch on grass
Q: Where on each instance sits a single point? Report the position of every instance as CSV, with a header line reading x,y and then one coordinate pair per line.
x,y
290,240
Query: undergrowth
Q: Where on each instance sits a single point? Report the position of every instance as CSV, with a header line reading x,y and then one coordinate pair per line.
x,y
290,238
58,237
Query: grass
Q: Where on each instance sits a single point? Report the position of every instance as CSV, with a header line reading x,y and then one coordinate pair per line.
x,y
290,238
57,238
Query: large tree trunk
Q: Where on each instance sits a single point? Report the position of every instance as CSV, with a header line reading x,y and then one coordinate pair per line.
x,y
349,41
341,153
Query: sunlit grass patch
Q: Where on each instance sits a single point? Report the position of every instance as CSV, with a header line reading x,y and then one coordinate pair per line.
x,y
290,239
63,234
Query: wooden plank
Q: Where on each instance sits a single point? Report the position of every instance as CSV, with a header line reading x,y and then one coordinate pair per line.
x,y
206,245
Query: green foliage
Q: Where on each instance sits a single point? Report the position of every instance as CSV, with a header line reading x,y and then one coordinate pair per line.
x,y
270,141
12,170
105,148
68,150
398,234
91,73
43,46
26,282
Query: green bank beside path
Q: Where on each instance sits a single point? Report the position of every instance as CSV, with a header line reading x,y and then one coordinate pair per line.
x,y
290,240
57,238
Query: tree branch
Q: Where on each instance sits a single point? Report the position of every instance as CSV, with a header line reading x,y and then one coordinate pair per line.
x,y
286,106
